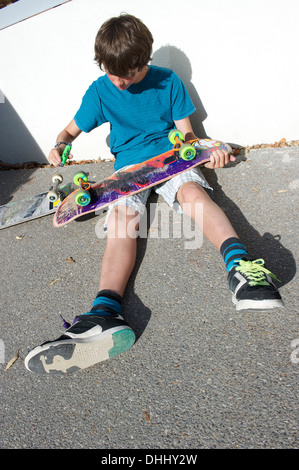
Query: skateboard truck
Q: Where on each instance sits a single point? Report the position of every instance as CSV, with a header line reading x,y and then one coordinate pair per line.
x,y
186,151
83,196
53,194
65,154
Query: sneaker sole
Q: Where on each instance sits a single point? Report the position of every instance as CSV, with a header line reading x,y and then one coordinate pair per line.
x,y
259,305
71,355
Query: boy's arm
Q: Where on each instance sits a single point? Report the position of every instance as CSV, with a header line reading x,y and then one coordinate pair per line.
x,y
184,125
219,158
68,135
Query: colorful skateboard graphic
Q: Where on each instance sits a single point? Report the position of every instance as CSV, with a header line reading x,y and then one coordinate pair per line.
x,y
137,178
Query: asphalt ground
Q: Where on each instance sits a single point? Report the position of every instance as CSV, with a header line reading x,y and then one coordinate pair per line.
x,y
200,375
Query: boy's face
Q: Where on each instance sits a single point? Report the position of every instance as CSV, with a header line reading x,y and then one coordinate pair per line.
x,y
123,83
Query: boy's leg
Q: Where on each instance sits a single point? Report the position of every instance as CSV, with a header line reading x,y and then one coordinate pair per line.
x,y
249,281
102,332
214,224
120,252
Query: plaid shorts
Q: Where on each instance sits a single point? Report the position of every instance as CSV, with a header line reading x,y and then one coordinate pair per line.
x,y
168,190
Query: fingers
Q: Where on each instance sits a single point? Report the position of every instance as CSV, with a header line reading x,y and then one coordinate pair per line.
x,y
219,158
55,156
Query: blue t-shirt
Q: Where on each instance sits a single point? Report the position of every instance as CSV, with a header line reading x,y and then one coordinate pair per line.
x,y
140,117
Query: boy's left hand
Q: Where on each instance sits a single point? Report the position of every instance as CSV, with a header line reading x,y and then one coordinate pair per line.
x,y
219,158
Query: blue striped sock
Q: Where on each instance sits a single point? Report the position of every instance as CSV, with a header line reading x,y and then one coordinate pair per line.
x,y
106,303
232,250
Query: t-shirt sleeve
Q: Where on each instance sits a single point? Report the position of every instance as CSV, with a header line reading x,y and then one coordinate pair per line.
x,y
181,104
90,114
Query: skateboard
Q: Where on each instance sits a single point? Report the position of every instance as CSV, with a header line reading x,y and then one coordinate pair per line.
x,y
91,197
36,206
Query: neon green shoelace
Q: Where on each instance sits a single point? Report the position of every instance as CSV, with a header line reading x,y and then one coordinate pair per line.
x,y
255,272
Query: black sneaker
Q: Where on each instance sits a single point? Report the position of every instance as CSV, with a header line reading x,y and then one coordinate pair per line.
x,y
91,339
252,286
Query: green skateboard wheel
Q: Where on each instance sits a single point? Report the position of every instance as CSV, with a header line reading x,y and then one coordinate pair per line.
x,y
173,134
82,198
187,152
79,176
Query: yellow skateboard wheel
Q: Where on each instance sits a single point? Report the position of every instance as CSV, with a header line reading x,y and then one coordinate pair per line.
x,y
173,134
187,152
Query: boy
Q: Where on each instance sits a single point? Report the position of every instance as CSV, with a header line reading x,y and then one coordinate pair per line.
x,y
123,49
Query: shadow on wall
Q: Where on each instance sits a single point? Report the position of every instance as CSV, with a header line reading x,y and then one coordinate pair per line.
x,y
16,143
173,58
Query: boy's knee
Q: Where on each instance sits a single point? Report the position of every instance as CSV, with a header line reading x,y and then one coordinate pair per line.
x,y
190,192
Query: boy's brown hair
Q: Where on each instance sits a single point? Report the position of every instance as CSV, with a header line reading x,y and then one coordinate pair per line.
x,y
123,44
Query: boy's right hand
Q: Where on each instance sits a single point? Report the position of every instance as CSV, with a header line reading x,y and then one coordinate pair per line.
x,y
69,134
55,155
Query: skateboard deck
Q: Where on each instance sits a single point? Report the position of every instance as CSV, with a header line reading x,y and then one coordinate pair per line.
x,y
135,179
30,208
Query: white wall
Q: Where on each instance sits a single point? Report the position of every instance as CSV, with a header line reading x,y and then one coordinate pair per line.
x,y
238,58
